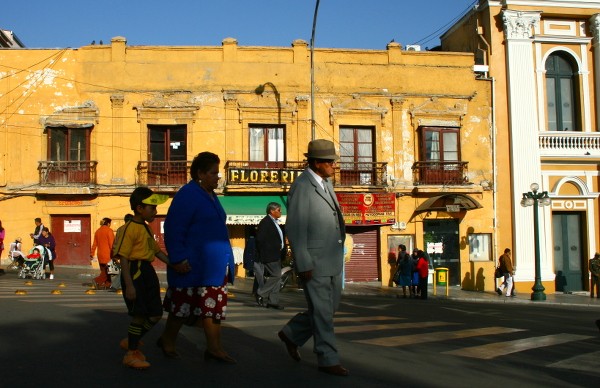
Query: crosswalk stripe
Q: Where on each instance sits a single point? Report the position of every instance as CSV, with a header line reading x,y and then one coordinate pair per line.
x,y
255,323
497,349
94,305
583,362
412,339
390,326
338,319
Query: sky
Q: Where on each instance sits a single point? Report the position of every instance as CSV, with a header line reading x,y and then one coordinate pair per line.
x,y
362,24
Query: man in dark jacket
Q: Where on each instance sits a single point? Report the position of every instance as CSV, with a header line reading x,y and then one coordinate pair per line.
x,y
269,245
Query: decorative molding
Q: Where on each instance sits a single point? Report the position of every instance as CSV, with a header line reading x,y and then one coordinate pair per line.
x,y
434,112
519,24
267,105
569,204
172,106
595,27
356,106
82,116
117,100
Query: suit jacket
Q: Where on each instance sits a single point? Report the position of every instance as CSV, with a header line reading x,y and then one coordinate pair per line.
x,y
315,227
268,241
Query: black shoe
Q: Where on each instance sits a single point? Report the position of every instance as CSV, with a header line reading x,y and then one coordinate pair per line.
x,y
274,306
259,301
598,323
498,291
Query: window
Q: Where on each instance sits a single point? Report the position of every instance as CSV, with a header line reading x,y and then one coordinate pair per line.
x,y
356,155
68,144
440,156
267,144
167,143
440,144
167,154
561,93
69,156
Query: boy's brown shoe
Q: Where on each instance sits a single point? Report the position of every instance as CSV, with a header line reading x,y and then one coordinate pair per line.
x,y
135,359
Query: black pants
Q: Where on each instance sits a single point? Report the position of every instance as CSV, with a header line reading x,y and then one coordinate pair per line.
x,y
423,286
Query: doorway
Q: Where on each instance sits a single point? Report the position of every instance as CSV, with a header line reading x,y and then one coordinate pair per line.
x,y
73,238
442,245
158,229
568,249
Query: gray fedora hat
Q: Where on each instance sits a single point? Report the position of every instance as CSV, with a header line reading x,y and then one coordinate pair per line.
x,y
321,149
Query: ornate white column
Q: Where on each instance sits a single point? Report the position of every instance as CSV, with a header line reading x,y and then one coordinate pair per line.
x,y
524,145
595,31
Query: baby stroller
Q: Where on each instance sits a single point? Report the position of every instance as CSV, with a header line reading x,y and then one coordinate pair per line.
x,y
33,265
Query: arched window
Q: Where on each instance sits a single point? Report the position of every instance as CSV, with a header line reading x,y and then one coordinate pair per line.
x,y
561,93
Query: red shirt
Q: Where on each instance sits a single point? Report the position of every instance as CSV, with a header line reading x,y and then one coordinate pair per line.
x,y
423,267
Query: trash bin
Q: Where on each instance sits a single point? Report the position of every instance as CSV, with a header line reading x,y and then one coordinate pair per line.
x,y
441,276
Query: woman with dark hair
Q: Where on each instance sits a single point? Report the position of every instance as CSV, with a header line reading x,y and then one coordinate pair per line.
x,y
423,270
196,235
103,242
48,242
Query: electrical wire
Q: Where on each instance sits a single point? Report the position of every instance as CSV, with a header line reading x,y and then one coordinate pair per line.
x,y
436,33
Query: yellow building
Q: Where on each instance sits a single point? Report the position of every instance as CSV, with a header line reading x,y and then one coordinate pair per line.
x,y
80,128
544,60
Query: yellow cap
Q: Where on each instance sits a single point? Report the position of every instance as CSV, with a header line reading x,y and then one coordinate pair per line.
x,y
156,199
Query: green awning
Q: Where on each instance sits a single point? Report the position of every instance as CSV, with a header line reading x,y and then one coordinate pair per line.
x,y
250,209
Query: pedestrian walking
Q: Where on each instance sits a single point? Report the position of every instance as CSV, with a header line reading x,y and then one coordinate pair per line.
x,y
136,249
196,237
594,268
270,244
507,269
103,242
316,231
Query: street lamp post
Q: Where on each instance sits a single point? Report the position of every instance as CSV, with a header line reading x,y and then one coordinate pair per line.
x,y
535,199
312,74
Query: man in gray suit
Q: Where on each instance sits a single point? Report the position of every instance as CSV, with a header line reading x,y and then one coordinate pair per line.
x,y
316,232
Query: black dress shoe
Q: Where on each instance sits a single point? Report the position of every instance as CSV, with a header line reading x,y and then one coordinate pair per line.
x,y
259,301
291,347
336,370
274,306
598,324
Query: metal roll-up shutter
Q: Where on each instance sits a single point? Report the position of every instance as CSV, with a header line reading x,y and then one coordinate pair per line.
x,y
364,261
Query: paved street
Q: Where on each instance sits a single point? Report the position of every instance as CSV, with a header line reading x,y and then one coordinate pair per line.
x,y
467,339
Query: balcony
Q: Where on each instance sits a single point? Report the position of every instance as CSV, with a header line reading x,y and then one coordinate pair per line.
x,y
569,144
360,174
279,174
163,174
79,173
440,173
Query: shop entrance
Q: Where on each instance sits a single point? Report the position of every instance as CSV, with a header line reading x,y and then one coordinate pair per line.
x,y
442,245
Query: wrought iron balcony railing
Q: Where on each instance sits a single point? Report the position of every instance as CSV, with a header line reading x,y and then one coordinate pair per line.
x,y
59,173
440,173
169,173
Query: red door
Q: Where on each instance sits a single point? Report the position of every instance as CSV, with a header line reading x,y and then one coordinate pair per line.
x,y
73,238
157,227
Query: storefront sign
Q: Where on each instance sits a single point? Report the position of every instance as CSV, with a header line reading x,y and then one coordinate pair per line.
x,y
368,209
261,175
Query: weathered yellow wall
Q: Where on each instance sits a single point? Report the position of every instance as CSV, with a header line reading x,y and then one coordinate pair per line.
x,y
380,88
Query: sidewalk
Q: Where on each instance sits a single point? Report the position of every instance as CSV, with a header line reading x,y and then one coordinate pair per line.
x,y
85,274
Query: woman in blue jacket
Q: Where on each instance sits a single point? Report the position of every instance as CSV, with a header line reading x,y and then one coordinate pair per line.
x,y
196,236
